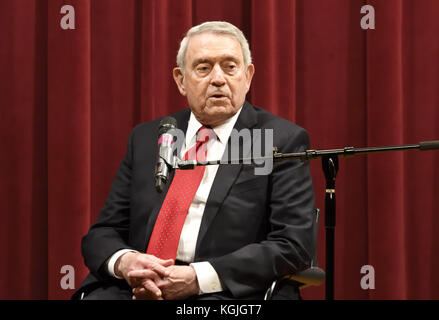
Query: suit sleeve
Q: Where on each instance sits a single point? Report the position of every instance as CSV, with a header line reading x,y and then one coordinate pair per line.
x,y
288,246
110,232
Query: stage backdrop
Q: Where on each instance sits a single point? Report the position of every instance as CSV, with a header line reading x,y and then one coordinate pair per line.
x,y
69,99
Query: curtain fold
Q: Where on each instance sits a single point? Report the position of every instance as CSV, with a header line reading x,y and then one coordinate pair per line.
x,y
23,169
69,98
68,140
387,226
274,56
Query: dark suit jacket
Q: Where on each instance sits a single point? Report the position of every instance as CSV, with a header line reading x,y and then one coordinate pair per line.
x,y
255,228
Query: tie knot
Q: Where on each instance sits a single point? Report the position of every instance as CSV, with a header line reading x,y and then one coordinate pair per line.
x,y
204,134
199,150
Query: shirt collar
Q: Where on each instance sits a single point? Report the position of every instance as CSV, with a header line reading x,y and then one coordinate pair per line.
x,y
222,131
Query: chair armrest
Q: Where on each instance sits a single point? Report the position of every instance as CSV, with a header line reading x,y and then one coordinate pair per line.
x,y
312,276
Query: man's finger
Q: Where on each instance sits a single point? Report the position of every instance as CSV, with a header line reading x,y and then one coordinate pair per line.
x,y
158,268
139,290
161,270
142,273
137,276
150,286
148,261
140,293
166,262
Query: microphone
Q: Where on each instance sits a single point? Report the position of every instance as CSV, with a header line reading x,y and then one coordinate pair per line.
x,y
165,156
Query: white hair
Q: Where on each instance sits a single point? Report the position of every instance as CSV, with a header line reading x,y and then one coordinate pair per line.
x,y
219,27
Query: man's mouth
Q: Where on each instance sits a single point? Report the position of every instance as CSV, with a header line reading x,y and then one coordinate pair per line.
x,y
217,96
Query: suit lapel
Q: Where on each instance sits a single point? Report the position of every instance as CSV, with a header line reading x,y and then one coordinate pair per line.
x,y
225,177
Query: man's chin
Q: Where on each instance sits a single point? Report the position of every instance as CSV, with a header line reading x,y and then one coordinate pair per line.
x,y
212,110
219,108
216,114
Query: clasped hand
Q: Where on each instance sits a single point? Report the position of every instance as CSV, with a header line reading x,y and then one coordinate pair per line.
x,y
155,279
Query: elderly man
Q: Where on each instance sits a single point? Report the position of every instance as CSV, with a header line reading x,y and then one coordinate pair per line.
x,y
225,234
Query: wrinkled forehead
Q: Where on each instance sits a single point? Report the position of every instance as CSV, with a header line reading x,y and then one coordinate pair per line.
x,y
213,46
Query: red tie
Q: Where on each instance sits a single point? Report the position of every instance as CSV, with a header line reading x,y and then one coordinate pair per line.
x,y
166,233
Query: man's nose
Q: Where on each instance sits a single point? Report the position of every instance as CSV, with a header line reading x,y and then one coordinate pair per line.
x,y
217,76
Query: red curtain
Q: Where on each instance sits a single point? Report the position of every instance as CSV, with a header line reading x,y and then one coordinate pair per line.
x,y
69,99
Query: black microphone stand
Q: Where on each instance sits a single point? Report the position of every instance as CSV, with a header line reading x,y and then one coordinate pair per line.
x,y
330,169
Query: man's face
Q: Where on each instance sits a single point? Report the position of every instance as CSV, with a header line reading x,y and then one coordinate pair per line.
x,y
215,80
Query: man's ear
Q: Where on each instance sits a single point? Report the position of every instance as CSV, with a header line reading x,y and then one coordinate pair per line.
x,y
249,75
178,78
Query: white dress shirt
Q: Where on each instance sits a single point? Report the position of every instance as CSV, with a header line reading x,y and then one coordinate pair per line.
x,y
208,279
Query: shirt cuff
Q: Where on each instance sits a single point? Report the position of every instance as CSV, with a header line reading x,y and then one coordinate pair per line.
x,y
113,259
208,279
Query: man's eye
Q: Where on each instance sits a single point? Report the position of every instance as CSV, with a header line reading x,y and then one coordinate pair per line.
x,y
203,68
230,68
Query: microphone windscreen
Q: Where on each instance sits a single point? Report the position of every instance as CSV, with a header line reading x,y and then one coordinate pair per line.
x,y
166,124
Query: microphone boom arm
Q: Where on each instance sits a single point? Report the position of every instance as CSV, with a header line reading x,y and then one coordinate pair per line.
x,y
330,169
307,155
351,151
